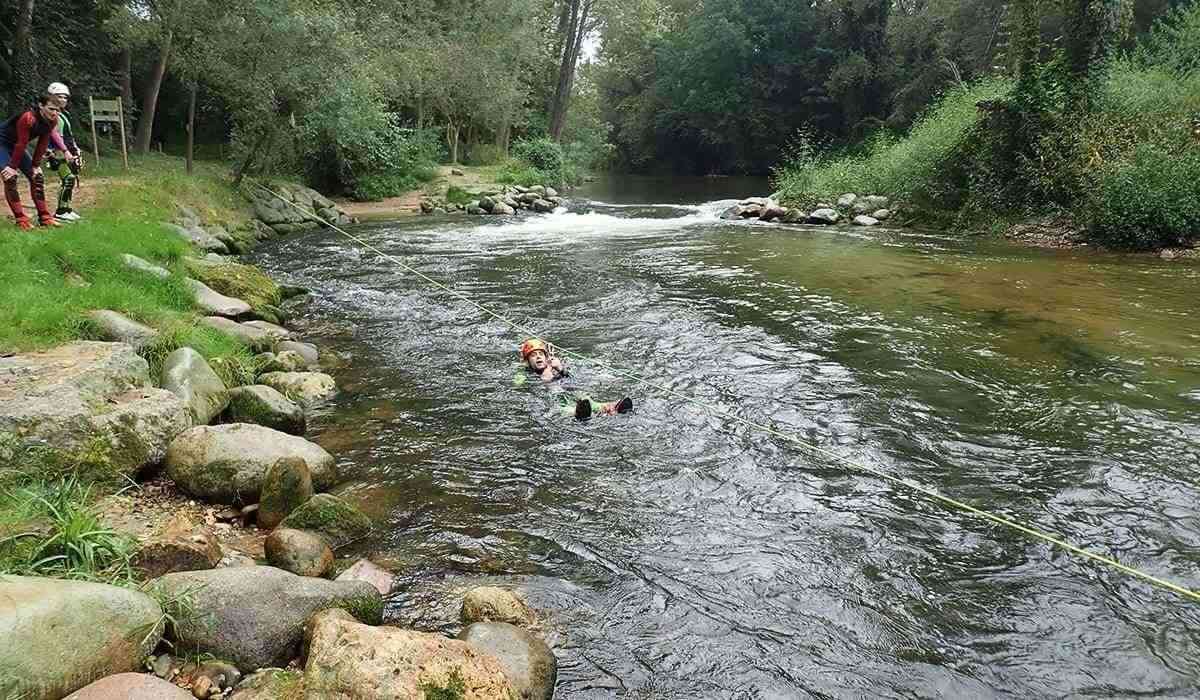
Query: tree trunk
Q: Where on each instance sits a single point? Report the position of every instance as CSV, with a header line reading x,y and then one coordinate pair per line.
x,y
191,126
577,26
502,137
24,66
141,143
126,75
250,157
452,130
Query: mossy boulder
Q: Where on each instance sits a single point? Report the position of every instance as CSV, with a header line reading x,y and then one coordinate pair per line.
x,y
262,405
228,463
299,552
244,282
286,487
57,636
334,519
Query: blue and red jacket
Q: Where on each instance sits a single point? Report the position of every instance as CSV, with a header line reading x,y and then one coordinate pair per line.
x,y
18,131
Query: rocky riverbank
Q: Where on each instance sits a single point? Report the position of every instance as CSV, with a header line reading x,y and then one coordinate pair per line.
x,y
850,208
237,585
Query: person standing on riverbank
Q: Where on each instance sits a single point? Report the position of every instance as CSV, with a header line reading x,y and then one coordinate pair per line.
x,y
66,159
34,124
538,360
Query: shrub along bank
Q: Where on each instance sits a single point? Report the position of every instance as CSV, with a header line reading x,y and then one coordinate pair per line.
x,y
1123,169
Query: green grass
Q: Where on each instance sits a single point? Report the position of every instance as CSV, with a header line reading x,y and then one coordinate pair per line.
x,y
50,528
518,172
50,278
457,195
896,167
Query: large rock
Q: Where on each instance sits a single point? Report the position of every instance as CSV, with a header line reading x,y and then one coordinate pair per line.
x,y
307,350
253,616
187,375
366,570
56,636
308,389
133,262
795,216
254,338
277,332
180,545
503,209
528,663
198,237
864,220
543,206
772,211
130,686
119,328
262,405
824,216
356,662
871,203
85,397
334,519
287,486
299,552
239,281
493,604
882,214
284,361
228,463
215,303
847,200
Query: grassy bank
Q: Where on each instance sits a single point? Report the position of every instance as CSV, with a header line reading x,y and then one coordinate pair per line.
x,y
1123,172
50,278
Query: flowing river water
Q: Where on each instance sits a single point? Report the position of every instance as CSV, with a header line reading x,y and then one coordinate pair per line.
x,y
677,554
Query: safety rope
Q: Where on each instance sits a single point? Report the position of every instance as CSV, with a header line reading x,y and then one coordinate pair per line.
x,y
910,484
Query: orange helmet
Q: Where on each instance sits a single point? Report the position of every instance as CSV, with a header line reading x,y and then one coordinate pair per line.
x,y
531,346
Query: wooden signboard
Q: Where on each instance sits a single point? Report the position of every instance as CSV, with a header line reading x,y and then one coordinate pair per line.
x,y
108,111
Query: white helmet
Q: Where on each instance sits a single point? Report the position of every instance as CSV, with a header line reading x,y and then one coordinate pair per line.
x,y
58,89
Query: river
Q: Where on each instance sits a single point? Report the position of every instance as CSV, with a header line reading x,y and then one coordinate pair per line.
x,y
677,554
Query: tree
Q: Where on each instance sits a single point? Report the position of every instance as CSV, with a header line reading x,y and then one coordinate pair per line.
x,y
575,23
23,66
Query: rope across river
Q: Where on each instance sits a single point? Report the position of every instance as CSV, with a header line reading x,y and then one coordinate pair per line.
x,y
909,484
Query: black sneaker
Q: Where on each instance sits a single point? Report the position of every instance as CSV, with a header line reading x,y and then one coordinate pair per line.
x,y
625,405
583,409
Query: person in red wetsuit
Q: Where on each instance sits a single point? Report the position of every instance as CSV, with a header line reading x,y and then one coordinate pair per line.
x,y
33,125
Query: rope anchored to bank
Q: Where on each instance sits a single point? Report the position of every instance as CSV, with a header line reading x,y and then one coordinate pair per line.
x,y
910,484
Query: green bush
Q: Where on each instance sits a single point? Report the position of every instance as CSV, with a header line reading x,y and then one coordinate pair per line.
x,y
350,144
519,172
1149,201
544,154
457,195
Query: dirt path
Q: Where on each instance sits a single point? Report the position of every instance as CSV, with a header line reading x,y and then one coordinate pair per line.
x,y
472,179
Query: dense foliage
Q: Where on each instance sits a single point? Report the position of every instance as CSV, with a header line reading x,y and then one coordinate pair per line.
x,y
1120,158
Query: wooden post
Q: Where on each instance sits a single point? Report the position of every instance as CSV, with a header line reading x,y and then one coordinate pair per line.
x,y
121,121
191,127
95,139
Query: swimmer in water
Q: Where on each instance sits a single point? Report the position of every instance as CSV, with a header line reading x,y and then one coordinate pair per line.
x,y
537,360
